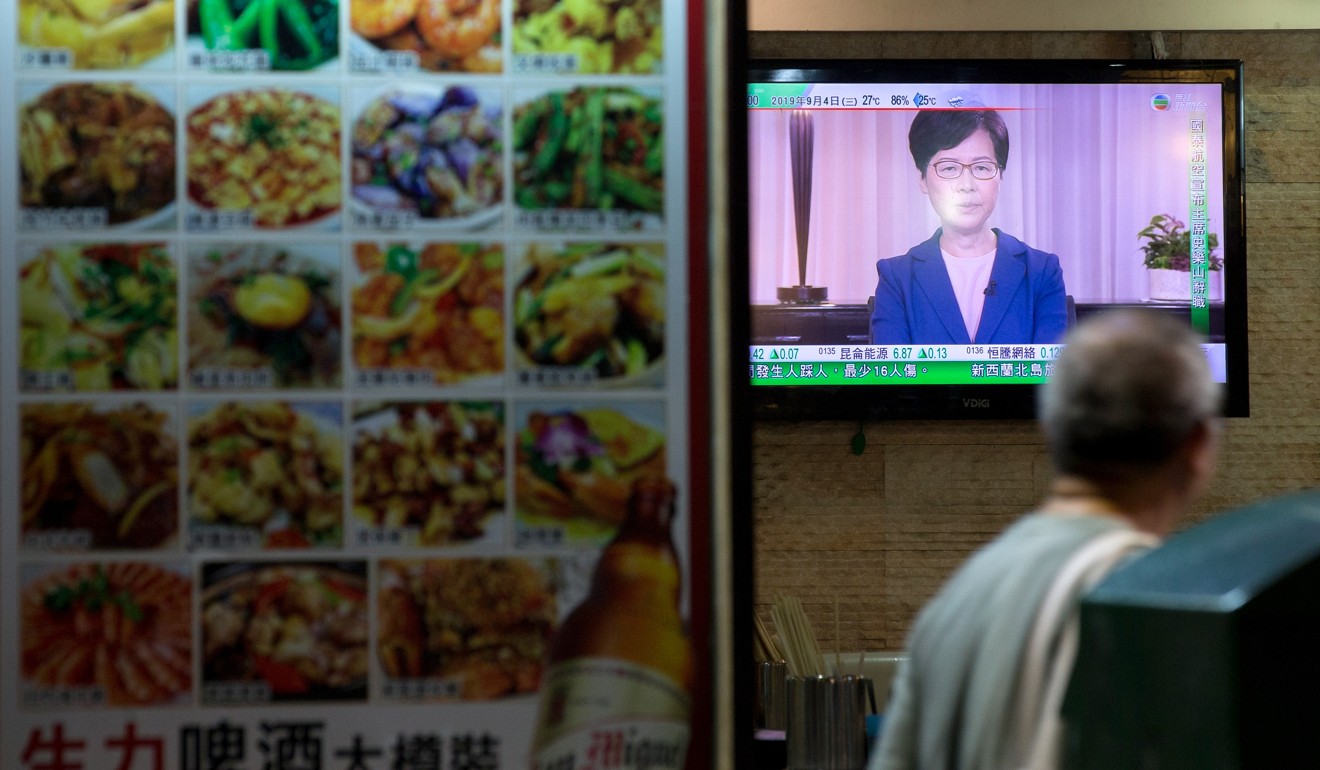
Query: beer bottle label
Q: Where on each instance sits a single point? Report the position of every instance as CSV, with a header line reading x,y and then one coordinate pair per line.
x,y
610,714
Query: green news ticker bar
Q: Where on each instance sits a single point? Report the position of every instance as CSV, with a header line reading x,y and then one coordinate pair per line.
x,y
901,364
918,372
1199,218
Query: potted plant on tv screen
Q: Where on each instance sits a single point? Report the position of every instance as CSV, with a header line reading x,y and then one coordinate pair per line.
x,y
1168,259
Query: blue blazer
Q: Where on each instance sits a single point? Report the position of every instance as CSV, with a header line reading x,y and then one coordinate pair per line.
x,y
915,304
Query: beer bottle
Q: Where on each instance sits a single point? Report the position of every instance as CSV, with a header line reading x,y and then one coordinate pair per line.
x,y
617,686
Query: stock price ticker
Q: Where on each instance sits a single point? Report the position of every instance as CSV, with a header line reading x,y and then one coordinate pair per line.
x,y
901,364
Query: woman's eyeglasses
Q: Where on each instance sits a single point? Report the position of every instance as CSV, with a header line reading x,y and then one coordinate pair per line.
x,y
952,169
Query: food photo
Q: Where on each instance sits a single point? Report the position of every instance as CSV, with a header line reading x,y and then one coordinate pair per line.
x,y
265,474
105,147
590,148
272,310
433,311
575,466
595,311
275,632
114,634
438,35
589,36
98,317
100,35
98,476
429,473
432,153
478,629
285,35
267,155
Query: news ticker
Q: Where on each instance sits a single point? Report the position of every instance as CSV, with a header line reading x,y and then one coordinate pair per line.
x,y
917,364
841,95
881,96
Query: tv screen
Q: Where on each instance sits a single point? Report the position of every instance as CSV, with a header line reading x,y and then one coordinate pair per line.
x,y
921,234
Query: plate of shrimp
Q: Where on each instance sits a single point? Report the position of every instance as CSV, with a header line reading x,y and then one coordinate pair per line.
x,y
443,35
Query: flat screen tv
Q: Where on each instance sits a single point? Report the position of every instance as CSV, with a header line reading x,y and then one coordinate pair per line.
x,y
921,233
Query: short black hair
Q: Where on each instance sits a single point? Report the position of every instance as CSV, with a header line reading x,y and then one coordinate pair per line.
x,y
935,130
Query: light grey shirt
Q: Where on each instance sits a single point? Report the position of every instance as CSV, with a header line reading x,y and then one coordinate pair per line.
x,y
952,703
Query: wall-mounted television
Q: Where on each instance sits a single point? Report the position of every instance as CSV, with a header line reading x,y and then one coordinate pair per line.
x,y
921,233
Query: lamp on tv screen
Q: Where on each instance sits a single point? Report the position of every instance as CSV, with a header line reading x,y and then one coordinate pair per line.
x,y
921,234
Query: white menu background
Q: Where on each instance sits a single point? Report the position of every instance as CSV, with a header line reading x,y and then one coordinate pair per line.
x,y
378,728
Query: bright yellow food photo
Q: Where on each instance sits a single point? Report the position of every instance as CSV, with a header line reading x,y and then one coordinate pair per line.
x,y
99,34
601,36
272,151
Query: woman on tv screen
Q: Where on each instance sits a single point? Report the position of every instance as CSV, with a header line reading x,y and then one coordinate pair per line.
x,y
970,283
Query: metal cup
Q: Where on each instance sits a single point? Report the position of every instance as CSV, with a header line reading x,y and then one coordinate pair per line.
x,y
826,722
847,723
771,694
803,743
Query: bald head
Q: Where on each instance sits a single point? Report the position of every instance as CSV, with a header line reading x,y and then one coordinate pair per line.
x,y
1127,392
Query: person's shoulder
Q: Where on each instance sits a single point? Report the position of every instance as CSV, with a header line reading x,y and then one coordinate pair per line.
x,y
1050,532
1039,531
1034,257
902,264
927,249
1011,244
1037,520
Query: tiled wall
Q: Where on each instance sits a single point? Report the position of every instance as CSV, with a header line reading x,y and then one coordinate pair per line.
x,y
875,534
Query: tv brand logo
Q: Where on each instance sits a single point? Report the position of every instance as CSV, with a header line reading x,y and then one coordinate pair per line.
x,y
976,403
1159,102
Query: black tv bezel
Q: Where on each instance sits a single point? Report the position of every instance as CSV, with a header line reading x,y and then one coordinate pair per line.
x,y
1011,401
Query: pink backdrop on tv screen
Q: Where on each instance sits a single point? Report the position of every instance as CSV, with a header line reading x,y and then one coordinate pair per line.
x,y
1088,167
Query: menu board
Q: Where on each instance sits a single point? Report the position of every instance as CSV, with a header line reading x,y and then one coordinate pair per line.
x,y
333,334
